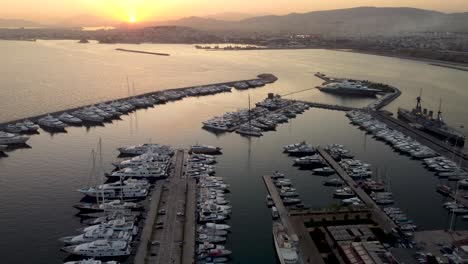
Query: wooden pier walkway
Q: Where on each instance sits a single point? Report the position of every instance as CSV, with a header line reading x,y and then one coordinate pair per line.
x,y
384,221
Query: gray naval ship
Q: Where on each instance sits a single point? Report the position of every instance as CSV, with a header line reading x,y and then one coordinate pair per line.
x,y
434,125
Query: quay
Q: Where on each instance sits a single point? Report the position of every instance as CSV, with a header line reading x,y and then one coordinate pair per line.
x,y
265,77
384,221
144,52
169,232
436,144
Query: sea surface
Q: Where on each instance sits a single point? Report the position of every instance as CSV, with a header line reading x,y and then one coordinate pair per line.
x,y
38,184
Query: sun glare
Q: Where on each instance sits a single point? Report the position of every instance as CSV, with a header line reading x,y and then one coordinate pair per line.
x,y
132,19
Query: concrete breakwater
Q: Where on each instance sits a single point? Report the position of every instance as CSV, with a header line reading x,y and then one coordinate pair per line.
x,y
265,78
144,52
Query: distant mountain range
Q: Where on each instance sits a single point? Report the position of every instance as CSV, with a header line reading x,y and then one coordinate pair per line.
x,y
360,20
7,23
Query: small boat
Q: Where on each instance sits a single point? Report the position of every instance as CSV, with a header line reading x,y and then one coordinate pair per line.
x,y
334,182
444,189
277,175
70,119
205,149
269,201
344,193
12,139
274,212
323,171
217,226
291,201
50,122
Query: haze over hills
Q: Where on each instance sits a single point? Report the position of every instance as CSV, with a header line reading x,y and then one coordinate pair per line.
x,y
7,23
361,20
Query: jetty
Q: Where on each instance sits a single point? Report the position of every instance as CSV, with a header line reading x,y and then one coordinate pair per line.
x,y
384,221
265,77
144,52
295,229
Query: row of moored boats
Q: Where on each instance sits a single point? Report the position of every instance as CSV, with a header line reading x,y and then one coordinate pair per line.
x,y
213,208
112,209
254,122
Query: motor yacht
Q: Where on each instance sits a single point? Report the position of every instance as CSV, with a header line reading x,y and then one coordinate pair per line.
x,y
70,119
145,172
50,122
141,149
108,206
12,139
285,249
91,261
100,248
96,234
205,149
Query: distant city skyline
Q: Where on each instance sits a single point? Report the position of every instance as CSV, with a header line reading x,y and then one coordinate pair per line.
x,y
48,11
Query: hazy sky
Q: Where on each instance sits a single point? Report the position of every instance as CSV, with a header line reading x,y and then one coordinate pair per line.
x,y
48,10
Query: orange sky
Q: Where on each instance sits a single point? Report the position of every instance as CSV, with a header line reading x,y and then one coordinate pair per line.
x,y
124,10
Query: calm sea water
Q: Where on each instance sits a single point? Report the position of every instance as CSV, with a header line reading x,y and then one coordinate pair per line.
x,y
37,185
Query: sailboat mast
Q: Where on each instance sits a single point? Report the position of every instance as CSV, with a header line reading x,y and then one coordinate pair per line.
x,y
439,113
250,123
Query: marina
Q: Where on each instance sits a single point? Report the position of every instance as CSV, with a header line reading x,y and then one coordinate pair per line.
x,y
237,165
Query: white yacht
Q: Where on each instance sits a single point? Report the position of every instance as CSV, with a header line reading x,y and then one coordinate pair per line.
x,y
117,225
51,123
217,226
205,149
96,234
91,261
284,245
115,190
145,159
100,248
146,172
88,116
70,119
108,206
11,139
24,127
31,126
251,131
145,148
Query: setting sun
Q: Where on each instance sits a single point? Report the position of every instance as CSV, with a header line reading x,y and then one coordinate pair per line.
x,y
132,19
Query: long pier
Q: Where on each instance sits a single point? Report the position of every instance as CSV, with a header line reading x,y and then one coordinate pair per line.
x,y
384,221
267,78
296,230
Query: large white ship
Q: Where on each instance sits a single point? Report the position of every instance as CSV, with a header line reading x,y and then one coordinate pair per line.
x,y
285,248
